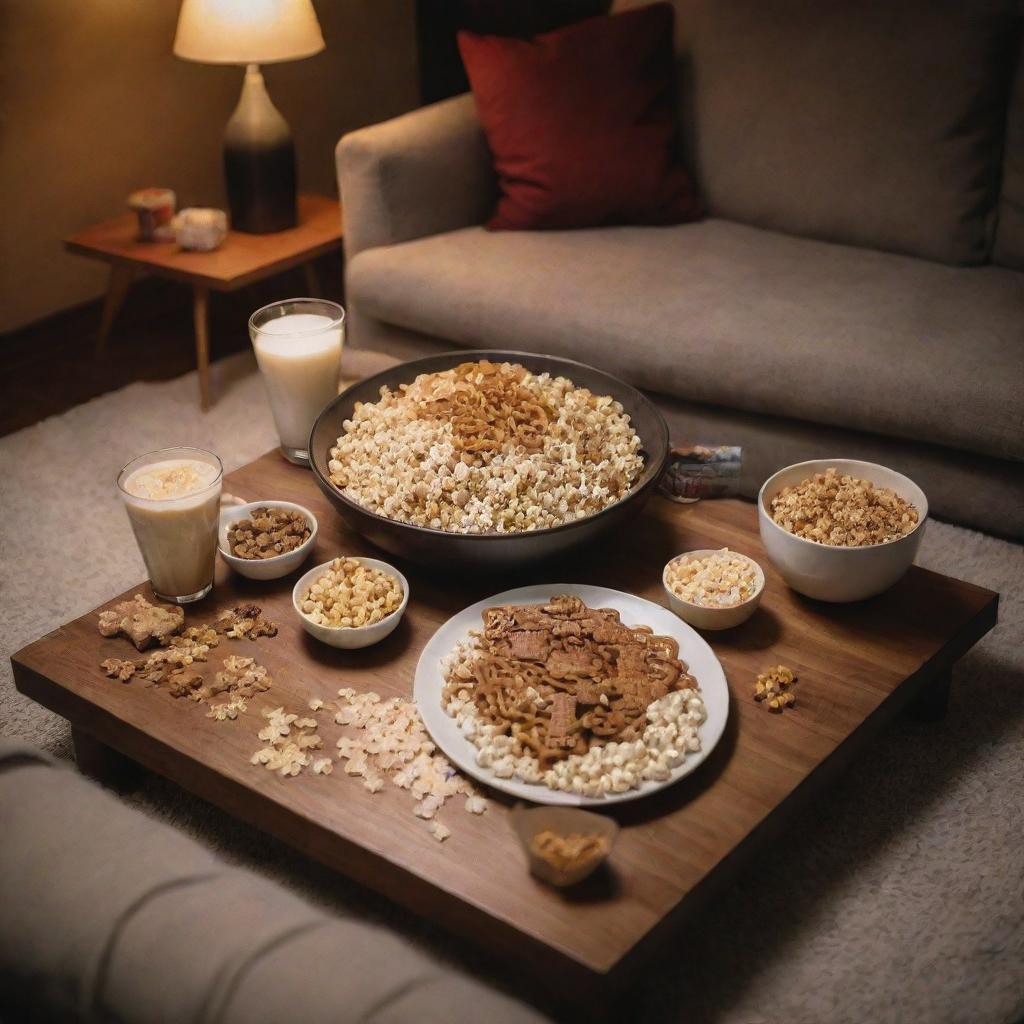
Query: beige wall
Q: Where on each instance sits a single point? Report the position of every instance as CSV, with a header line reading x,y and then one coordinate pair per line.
x,y
93,105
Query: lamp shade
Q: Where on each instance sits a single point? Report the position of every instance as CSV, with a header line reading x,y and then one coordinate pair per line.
x,y
247,31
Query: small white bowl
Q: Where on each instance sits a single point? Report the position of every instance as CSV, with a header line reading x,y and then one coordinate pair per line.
x,y
350,638
828,572
264,568
708,616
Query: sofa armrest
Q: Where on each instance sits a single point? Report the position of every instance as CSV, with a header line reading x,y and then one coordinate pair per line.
x,y
107,914
420,174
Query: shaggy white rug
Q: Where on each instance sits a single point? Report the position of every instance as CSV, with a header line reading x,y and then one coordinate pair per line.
x,y
900,898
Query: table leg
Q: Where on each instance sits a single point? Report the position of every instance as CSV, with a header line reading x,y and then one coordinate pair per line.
x,y
931,703
312,279
99,761
201,319
117,288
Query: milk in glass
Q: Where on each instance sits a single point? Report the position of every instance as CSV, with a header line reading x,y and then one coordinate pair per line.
x,y
299,355
173,504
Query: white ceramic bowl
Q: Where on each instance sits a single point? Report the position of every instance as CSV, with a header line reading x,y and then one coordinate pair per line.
x,y
350,638
264,568
840,574
702,616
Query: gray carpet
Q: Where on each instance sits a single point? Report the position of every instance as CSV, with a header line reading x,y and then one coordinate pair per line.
x,y
900,898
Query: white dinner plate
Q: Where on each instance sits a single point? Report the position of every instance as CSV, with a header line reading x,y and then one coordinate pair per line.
x,y
634,611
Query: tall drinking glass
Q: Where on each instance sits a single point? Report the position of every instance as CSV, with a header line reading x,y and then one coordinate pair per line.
x,y
172,497
298,348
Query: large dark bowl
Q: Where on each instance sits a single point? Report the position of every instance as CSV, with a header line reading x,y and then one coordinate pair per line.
x,y
503,551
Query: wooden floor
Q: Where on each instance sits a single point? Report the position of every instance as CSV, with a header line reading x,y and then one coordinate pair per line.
x,y
51,366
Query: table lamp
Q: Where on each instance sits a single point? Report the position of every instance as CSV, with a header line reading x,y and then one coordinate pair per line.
x,y
259,156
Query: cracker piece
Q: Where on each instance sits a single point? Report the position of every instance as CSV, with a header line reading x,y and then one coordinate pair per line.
x,y
529,644
563,715
141,622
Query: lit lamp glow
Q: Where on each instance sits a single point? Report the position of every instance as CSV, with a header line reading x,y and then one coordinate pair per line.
x,y
259,156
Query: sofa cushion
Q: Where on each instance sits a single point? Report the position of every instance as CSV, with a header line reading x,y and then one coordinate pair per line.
x,y
569,155
732,315
877,123
1009,244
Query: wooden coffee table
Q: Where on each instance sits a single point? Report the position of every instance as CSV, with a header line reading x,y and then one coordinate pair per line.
x,y
242,259
858,665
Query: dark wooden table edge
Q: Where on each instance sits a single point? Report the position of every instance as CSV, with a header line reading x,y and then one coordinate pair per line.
x,y
936,672
573,977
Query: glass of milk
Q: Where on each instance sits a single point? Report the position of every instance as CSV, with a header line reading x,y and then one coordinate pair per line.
x,y
172,497
298,348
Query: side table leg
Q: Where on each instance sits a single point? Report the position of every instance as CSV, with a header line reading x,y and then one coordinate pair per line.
x,y
931,703
117,288
201,320
312,279
99,761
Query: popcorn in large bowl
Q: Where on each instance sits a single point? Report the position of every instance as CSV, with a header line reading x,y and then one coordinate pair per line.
x,y
487,458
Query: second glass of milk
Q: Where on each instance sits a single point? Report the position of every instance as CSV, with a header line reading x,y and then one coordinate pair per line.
x,y
298,348
172,498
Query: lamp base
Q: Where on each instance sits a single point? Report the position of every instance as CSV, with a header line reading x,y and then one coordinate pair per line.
x,y
259,162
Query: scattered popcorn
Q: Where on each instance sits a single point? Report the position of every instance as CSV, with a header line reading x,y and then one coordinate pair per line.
x,y
391,743
323,766
316,704
228,711
440,831
772,687
719,580
286,753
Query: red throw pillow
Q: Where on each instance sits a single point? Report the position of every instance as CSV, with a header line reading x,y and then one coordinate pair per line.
x,y
581,123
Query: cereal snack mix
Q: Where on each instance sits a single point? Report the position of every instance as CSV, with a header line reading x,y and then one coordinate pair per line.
x,y
569,696
487,448
843,511
350,594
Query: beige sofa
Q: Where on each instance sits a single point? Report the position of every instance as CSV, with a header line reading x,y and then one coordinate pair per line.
x,y
857,288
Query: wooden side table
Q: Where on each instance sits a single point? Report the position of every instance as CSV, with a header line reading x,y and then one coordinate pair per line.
x,y
241,260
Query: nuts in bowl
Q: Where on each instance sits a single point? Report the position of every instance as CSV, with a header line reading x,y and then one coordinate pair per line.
x,y
841,529
351,602
265,540
713,589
